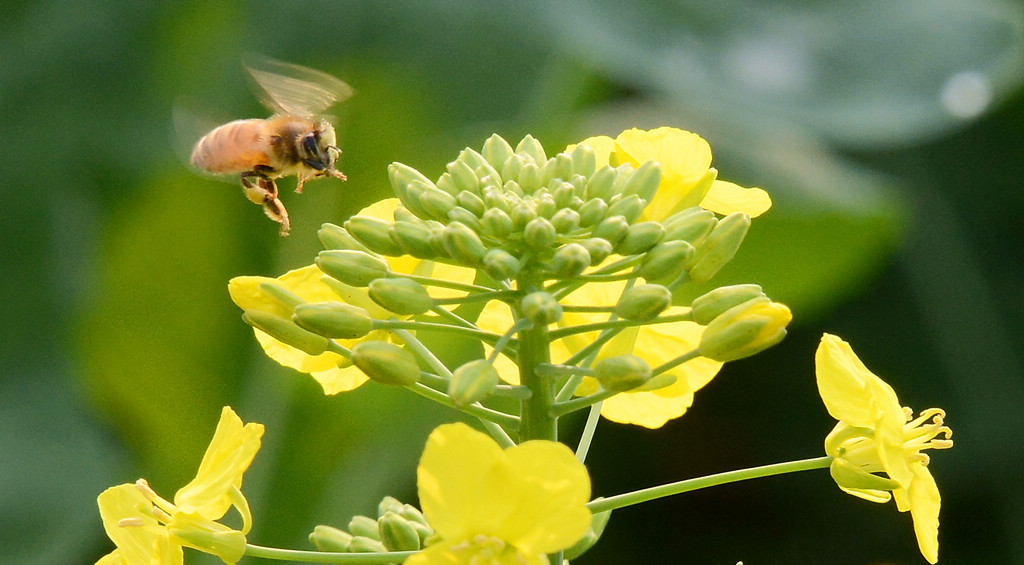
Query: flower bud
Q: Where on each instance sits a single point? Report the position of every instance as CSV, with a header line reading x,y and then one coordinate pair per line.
x,y
600,183
280,294
545,206
326,538
385,363
640,237
500,264
510,170
612,229
447,184
592,211
335,320
570,260
541,308
565,195
599,249
337,237
464,216
496,150
529,178
539,233
666,260
397,534
405,297
720,246
629,207
530,146
472,202
437,203
496,223
644,182
463,176
496,199
354,268
388,504
709,306
522,214
411,195
622,372
413,514
584,161
643,302
474,381
285,331
413,238
366,544
374,234
565,220
691,224
745,329
463,244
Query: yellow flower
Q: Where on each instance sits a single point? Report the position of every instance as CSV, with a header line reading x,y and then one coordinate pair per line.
x,y
148,529
876,435
333,371
687,178
489,505
655,344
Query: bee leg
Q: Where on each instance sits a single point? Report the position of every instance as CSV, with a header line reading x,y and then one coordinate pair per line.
x,y
261,189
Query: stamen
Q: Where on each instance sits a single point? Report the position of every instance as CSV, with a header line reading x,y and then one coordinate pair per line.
x,y
131,522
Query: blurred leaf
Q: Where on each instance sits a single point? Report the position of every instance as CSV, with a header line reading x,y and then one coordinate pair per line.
x,y
861,72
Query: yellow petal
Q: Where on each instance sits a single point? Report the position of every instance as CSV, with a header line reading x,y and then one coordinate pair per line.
x,y
725,198
685,160
230,452
553,489
145,541
602,145
924,502
843,383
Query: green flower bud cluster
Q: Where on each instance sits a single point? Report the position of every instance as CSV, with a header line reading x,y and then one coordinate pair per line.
x,y
398,527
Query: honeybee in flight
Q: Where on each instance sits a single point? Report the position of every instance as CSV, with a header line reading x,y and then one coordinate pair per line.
x,y
295,140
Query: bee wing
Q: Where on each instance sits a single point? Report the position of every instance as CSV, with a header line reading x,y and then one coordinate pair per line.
x,y
292,89
189,126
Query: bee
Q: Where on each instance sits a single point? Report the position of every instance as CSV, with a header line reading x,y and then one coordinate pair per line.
x,y
295,140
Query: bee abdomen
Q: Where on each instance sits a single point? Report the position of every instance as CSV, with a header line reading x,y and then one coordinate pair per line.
x,y
233,147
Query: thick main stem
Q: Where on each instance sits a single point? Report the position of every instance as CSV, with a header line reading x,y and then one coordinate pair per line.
x,y
537,420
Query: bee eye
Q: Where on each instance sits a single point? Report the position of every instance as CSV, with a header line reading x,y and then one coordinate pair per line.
x,y
309,143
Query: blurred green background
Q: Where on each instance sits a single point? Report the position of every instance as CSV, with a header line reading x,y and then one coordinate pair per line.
x,y
890,134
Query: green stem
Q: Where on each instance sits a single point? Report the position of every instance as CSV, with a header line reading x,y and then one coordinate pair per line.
x,y
583,447
425,353
482,413
661,491
326,556
391,325
618,324
563,408
675,362
428,281
479,296
534,343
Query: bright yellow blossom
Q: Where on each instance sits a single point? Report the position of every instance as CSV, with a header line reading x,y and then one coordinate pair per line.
x,y
687,178
654,343
334,373
148,529
501,507
876,435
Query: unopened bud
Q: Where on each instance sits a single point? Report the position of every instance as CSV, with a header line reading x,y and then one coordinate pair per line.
x,y
570,260
522,214
720,246
612,229
496,223
643,302
629,207
385,363
335,320
666,260
640,237
285,331
437,203
464,216
496,150
622,372
644,182
474,381
326,538
600,183
539,233
691,224
529,177
598,248
530,146
388,504
592,211
366,544
565,220
337,237
374,234
709,306
280,294
541,308
354,268
472,202
584,161
413,238
500,264
405,297
397,534
464,176
745,329
463,244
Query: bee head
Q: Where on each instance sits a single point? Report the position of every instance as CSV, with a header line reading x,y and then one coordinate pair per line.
x,y
318,149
